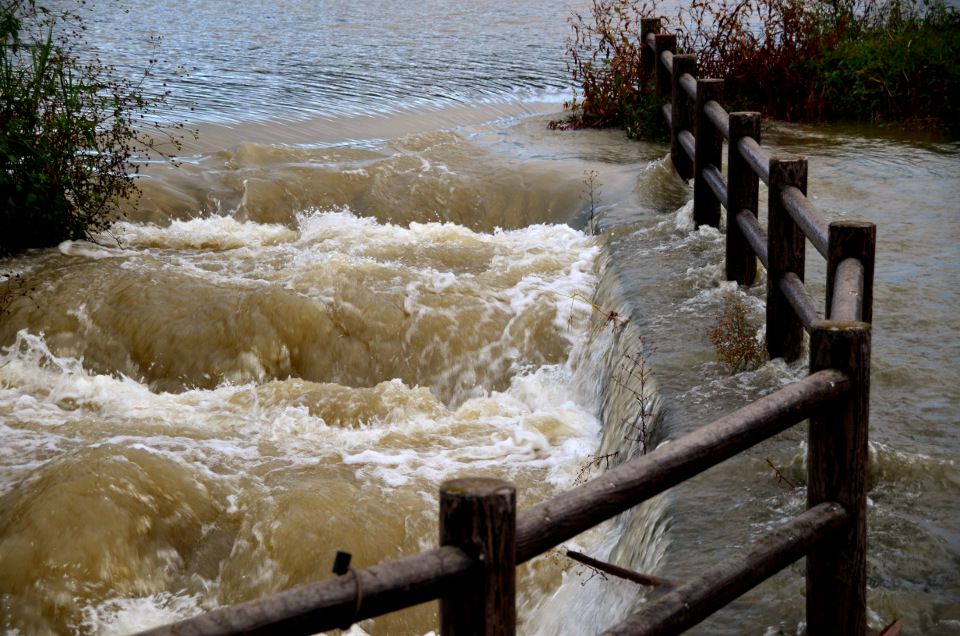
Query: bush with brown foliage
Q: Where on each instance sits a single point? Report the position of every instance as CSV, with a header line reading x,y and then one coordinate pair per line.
x,y
735,339
866,60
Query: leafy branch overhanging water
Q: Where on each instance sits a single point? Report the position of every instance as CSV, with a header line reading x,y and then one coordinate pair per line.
x,y
73,131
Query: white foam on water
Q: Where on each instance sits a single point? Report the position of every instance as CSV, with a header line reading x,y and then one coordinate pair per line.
x,y
510,433
90,250
118,616
537,430
236,438
513,432
683,219
208,233
536,423
555,259
482,301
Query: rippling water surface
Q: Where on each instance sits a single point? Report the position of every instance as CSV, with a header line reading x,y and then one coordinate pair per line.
x,y
378,269
290,59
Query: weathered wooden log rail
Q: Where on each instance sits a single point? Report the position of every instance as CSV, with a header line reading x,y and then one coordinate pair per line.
x,y
482,540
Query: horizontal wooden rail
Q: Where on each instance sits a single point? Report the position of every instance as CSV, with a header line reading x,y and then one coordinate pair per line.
x,y
689,85
796,292
807,217
756,157
666,59
548,524
848,291
717,184
694,601
754,234
335,602
718,117
688,142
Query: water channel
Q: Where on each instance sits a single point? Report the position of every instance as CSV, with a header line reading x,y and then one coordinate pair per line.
x,y
377,269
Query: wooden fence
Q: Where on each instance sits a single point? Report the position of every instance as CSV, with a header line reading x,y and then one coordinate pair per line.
x,y
482,539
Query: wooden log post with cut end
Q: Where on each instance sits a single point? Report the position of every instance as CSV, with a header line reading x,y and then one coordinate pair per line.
x,y
743,188
709,152
852,239
837,472
664,42
479,516
682,114
786,250
648,56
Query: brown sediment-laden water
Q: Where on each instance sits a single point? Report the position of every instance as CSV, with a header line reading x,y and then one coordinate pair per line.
x,y
378,269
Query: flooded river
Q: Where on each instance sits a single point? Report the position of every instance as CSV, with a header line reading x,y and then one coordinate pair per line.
x,y
378,269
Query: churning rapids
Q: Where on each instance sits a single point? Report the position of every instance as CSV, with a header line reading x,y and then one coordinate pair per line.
x,y
378,269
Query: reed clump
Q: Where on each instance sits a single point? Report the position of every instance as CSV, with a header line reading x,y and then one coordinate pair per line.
x,y
879,61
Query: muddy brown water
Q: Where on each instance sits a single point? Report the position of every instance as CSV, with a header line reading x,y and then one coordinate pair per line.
x,y
378,269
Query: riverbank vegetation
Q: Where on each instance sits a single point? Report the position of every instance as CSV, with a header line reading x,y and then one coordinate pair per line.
x,y
72,130
895,61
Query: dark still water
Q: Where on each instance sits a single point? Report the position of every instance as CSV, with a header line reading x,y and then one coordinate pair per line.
x,y
377,270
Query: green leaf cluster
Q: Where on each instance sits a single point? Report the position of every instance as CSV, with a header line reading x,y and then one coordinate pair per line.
x,y
906,71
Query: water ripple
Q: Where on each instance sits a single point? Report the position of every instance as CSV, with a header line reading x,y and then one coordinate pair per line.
x,y
259,61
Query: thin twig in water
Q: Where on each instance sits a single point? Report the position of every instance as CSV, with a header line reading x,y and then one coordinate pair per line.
x,y
619,572
595,462
636,377
593,194
781,479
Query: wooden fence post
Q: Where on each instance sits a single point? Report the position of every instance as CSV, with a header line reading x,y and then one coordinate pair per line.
x,y
743,188
648,56
682,117
852,239
786,251
709,152
837,469
479,516
664,42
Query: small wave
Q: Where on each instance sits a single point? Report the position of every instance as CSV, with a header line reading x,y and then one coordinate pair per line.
x,y
210,233
120,616
93,251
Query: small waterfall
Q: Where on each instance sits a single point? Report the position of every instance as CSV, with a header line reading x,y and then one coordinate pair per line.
x,y
617,365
